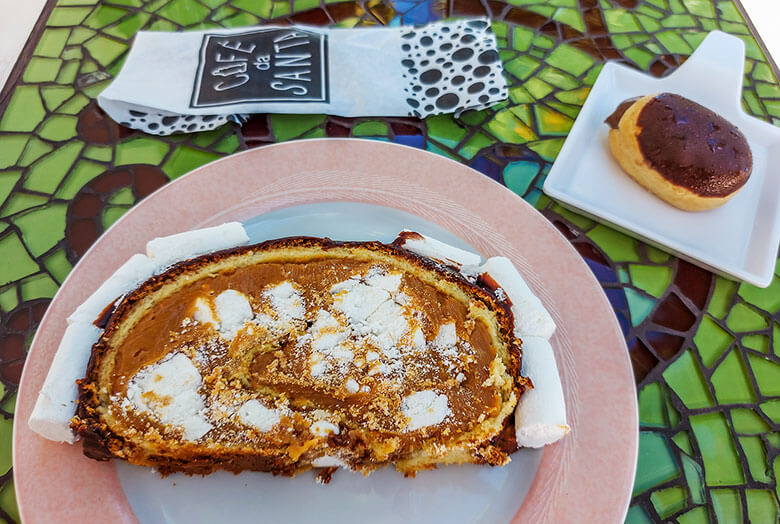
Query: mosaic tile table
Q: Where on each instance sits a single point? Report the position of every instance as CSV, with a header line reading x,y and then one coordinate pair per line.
x,y
706,350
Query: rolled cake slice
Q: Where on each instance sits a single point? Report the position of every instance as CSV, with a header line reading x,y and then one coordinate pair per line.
x,y
684,153
300,353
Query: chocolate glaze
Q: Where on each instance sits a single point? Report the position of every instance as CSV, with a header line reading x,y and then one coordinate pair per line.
x,y
693,147
614,119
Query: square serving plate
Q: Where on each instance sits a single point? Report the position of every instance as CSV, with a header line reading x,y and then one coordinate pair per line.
x,y
739,239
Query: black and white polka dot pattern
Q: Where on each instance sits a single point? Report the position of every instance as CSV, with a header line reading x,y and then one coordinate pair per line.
x,y
451,67
156,123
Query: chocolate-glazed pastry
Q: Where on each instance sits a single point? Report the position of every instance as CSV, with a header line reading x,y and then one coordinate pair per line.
x,y
679,150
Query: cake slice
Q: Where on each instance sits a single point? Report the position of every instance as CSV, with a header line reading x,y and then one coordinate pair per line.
x,y
301,353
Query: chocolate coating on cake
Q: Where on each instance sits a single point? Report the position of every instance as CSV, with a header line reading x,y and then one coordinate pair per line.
x,y
614,119
693,147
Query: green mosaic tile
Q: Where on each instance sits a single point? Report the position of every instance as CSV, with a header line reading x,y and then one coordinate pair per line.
x,y
684,376
58,265
745,318
569,16
638,305
722,295
103,16
105,50
24,110
46,174
518,176
617,246
507,127
621,21
551,122
669,501
20,201
756,458
287,127
6,427
656,463
746,421
82,172
17,262
129,26
123,196
8,298
694,476
58,128
184,159
547,149
711,340
442,128
649,10
698,515
652,408
8,501
522,67
39,286
52,42
42,227
11,148
74,105
520,95
575,96
163,25
652,279
67,16
575,218
228,144
68,72
767,374
762,71
771,409
261,8
762,506
757,342
721,463
700,7
54,96
80,35
8,180
185,12
141,150
99,153
730,381
640,57
475,144
111,214
538,88
683,441
767,299
41,70
570,59
522,38
679,21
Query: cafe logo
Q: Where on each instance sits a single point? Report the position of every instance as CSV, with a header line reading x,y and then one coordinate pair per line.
x,y
265,65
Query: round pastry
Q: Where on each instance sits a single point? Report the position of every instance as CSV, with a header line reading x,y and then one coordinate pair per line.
x,y
681,151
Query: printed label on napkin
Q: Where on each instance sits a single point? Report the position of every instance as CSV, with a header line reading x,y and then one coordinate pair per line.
x,y
197,80
266,65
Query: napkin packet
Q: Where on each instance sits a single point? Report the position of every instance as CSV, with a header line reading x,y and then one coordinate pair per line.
x,y
197,80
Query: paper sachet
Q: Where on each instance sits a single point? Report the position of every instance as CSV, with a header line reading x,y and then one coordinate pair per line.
x,y
197,80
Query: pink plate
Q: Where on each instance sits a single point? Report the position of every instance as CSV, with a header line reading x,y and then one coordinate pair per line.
x,y
587,477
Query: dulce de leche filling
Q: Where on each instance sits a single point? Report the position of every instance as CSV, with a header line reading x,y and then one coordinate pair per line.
x,y
358,353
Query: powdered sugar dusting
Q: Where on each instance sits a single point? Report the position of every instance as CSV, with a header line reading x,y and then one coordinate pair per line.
x,y
323,428
254,414
168,390
425,408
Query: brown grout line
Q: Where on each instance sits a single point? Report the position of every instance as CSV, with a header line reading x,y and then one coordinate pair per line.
x,y
25,55
761,45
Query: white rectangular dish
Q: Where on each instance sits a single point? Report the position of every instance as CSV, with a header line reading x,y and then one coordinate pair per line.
x,y
739,239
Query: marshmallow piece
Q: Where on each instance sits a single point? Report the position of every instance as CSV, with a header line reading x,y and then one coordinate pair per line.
x,y
166,251
58,397
430,247
136,270
540,415
531,318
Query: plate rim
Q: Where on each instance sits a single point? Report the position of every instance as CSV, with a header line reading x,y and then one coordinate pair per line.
x,y
367,148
